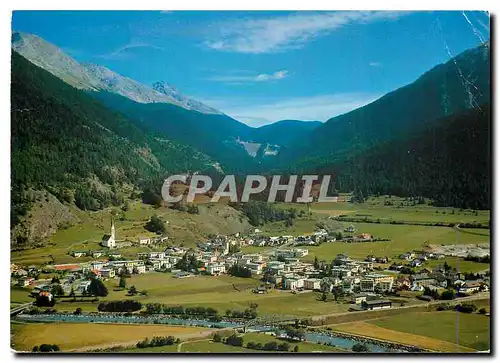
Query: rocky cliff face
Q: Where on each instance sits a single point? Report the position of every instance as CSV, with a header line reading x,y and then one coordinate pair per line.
x,y
185,102
47,215
49,57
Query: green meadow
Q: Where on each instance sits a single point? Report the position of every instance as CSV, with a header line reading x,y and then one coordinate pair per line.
x,y
469,330
222,293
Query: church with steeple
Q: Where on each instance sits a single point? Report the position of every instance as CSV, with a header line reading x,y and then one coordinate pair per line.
x,y
108,240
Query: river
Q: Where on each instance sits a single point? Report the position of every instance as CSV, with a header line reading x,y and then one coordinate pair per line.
x,y
314,337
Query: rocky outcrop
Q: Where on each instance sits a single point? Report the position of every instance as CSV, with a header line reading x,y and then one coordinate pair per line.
x,y
46,216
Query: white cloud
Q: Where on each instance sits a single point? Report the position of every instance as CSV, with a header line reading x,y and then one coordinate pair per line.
x,y
375,64
261,77
314,108
124,50
288,32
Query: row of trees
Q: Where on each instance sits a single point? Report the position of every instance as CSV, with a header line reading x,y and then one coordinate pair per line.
x,y
360,348
240,271
272,346
188,262
157,342
474,224
464,307
259,212
483,259
199,311
248,313
46,348
445,295
238,341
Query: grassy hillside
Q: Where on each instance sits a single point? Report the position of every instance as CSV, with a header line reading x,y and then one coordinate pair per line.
x,y
182,228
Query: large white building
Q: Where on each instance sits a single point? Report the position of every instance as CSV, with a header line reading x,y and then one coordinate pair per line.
x,y
129,266
293,283
370,282
216,268
145,240
312,284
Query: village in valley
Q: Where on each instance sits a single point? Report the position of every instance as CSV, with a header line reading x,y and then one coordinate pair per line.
x,y
225,182
279,268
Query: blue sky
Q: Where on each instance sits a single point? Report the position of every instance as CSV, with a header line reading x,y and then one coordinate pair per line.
x,y
261,67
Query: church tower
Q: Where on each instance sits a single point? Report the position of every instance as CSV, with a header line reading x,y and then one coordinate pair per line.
x,y
112,229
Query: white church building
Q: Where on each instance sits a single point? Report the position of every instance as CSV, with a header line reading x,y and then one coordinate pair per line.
x,y
108,240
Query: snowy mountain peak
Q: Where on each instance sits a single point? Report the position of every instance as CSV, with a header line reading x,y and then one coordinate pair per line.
x,y
186,102
126,87
94,77
49,57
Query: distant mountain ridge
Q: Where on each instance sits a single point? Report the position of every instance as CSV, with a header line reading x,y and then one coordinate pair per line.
x,y
93,77
213,134
449,90
284,132
183,101
164,109
49,57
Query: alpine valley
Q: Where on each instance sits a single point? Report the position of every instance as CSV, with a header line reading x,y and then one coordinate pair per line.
x,y
88,138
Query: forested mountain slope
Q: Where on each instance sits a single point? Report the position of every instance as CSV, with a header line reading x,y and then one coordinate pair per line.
x,y
461,83
213,134
70,144
284,132
449,161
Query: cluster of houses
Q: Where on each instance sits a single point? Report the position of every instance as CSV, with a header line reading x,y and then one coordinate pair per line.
x,y
372,258
146,241
23,276
439,278
416,259
266,241
110,241
350,274
216,244
166,260
319,236
105,269
96,254
281,266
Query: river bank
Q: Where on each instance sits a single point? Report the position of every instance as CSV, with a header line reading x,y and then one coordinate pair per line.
x,y
345,342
